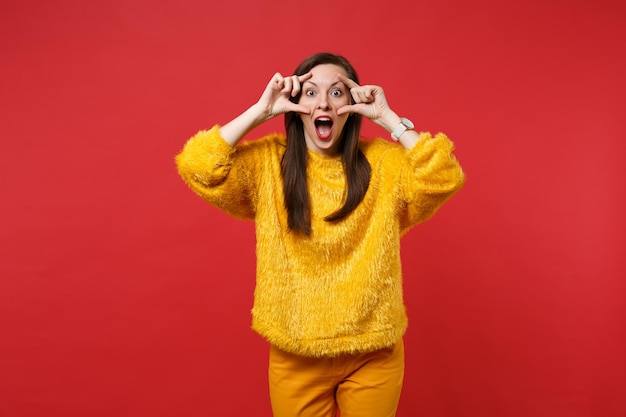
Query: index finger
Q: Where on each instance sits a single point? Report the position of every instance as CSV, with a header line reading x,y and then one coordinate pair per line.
x,y
302,78
347,81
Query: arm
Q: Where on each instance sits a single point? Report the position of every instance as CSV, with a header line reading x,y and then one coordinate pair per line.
x,y
225,175
430,175
273,101
207,165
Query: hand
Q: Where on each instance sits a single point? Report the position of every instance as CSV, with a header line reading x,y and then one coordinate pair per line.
x,y
275,99
369,101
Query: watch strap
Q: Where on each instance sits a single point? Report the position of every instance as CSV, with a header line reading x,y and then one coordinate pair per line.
x,y
405,124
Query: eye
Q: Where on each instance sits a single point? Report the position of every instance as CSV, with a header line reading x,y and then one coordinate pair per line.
x,y
309,92
336,93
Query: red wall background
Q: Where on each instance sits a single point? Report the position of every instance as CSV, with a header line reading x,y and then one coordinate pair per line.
x,y
123,294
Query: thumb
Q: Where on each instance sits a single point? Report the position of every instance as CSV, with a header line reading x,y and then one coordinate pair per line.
x,y
348,108
297,108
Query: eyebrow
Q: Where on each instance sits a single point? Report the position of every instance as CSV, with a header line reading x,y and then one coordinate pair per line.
x,y
333,84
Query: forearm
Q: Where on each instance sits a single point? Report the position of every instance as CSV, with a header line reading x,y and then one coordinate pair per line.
x,y
233,131
390,120
431,175
274,101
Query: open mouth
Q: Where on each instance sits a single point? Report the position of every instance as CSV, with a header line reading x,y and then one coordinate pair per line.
x,y
323,127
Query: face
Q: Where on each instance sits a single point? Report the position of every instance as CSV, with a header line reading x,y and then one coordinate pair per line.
x,y
324,94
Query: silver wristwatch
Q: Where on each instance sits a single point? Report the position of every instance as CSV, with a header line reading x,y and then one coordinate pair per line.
x,y
405,124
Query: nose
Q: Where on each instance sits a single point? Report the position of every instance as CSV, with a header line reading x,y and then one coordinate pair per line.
x,y
323,104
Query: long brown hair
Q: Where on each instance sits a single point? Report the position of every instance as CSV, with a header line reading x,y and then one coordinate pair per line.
x,y
294,162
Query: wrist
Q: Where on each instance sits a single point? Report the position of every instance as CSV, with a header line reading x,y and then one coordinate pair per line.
x,y
389,121
405,125
259,114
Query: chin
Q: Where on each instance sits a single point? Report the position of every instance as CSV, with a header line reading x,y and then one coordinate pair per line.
x,y
328,147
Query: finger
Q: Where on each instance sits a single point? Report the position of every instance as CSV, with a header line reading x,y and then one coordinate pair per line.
x,y
295,89
287,85
304,77
297,108
347,81
298,80
348,108
344,109
360,95
365,94
277,80
368,97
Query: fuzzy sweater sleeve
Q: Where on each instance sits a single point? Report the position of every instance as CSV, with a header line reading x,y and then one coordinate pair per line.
x,y
429,177
209,167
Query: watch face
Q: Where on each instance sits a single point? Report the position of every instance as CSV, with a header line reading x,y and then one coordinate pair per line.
x,y
407,123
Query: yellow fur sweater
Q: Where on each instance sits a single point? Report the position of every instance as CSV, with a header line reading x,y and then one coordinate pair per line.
x,y
338,290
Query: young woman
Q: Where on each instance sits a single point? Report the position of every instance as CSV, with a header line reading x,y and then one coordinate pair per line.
x,y
329,211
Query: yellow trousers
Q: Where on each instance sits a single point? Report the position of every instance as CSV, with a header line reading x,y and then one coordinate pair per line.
x,y
363,385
